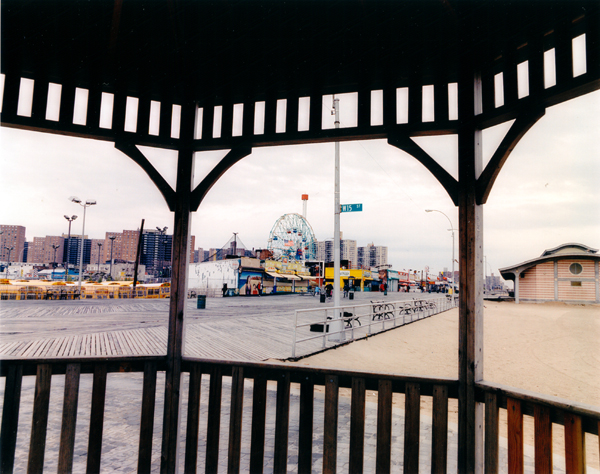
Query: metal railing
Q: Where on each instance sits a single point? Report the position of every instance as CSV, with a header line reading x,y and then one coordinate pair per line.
x,y
357,321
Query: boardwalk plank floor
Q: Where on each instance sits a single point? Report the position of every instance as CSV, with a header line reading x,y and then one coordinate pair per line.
x,y
236,328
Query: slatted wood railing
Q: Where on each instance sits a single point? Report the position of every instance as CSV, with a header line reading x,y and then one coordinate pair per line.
x,y
576,419
306,384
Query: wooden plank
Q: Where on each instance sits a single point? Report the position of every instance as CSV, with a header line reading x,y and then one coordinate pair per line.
x,y
147,417
439,435
357,426
574,444
305,435
96,419
214,421
257,439
69,419
492,433
412,427
235,420
10,417
193,419
543,439
384,427
282,422
37,444
515,436
330,427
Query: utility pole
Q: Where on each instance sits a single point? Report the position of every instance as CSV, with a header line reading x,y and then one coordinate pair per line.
x,y
337,325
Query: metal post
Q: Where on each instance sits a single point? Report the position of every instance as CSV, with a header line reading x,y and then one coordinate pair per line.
x,y
337,325
112,240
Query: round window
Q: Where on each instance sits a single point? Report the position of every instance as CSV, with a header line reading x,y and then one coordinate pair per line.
x,y
576,268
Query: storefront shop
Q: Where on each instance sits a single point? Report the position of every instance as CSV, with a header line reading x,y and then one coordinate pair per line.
x,y
358,280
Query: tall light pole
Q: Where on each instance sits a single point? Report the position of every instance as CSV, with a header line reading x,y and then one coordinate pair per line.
x,y
54,263
452,229
85,206
112,240
161,240
99,250
68,253
10,249
338,325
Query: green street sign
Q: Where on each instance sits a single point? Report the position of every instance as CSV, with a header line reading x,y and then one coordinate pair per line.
x,y
351,207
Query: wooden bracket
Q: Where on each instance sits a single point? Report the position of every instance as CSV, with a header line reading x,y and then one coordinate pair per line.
x,y
136,155
211,178
406,144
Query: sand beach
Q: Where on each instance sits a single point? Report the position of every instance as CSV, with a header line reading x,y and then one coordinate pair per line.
x,y
550,348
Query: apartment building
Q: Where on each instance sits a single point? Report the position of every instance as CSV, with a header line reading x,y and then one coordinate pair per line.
x,y
47,249
12,243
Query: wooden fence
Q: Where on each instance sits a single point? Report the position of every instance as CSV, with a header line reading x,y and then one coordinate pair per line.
x,y
576,419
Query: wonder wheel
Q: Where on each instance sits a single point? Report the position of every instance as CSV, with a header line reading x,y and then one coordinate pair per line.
x,y
292,237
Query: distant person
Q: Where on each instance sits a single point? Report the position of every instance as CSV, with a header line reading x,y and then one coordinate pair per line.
x,y
259,288
329,290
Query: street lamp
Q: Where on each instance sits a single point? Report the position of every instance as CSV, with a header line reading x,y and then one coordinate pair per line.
x,y
161,240
99,250
68,253
85,205
10,249
54,246
112,239
452,229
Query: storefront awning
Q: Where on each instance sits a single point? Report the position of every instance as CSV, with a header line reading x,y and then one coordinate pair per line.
x,y
287,276
306,277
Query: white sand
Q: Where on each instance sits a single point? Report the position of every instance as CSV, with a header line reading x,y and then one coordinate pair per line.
x,y
550,348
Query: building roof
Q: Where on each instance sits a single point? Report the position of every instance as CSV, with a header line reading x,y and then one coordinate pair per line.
x,y
564,251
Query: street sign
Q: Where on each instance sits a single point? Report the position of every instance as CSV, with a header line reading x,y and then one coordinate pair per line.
x,y
351,207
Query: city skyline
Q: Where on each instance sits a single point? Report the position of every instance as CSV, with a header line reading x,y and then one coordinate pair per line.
x,y
546,194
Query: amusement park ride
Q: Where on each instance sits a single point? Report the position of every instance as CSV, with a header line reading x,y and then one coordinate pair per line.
x,y
293,238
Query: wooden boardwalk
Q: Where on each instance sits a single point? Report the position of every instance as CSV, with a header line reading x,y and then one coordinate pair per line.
x,y
252,329
236,328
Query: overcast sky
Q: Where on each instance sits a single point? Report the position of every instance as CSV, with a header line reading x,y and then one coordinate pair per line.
x,y
547,194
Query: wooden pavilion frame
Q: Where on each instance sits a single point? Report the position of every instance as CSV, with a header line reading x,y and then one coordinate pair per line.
x,y
195,58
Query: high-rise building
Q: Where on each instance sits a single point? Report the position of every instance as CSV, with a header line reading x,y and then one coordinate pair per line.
x,y
156,251
349,252
12,243
113,243
129,244
47,249
97,251
372,256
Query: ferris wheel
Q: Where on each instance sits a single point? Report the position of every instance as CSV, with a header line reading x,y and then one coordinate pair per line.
x,y
292,237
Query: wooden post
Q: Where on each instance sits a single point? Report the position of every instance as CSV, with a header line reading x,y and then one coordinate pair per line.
x,y
470,217
176,339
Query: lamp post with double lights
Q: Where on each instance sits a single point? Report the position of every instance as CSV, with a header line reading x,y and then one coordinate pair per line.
x,y
162,232
10,249
112,241
85,205
99,251
54,263
68,253
452,229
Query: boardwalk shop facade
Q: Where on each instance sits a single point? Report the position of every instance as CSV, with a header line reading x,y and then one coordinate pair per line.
x,y
264,65
568,273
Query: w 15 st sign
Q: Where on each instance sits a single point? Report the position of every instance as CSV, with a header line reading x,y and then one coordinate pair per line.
x,y
351,207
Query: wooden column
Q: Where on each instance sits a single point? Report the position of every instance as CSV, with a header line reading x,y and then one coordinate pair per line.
x,y
176,339
470,217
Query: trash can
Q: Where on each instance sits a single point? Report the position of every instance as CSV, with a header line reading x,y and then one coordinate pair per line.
x,y
322,297
351,295
201,302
